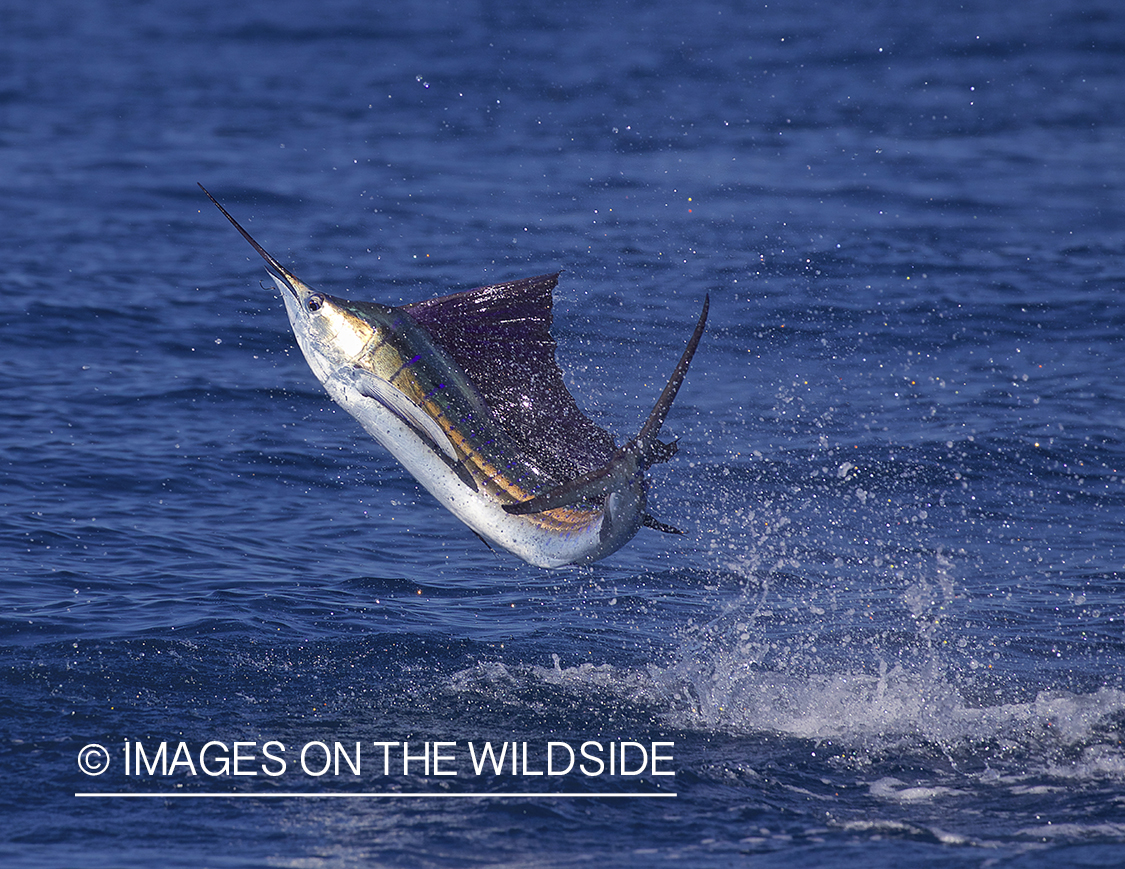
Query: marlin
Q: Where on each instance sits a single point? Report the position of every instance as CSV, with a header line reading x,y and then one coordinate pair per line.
x,y
466,393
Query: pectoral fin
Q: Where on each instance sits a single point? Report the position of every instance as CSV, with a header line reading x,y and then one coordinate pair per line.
x,y
415,418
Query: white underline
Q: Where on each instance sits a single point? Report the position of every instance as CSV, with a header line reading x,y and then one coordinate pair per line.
x,y
354,796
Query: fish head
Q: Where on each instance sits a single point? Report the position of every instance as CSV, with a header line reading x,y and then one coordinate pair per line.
x,y
331,332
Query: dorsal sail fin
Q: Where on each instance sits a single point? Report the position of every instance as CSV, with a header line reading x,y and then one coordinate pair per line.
x,y
500,335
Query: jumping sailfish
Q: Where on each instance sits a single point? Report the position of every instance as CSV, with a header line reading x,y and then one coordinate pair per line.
x,y
465,392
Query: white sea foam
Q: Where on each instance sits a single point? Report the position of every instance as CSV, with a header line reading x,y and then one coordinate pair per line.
x,y
825,706
1058,734
893,702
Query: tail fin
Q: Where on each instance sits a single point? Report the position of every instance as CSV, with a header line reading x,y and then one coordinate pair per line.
x,y
652,450
630,460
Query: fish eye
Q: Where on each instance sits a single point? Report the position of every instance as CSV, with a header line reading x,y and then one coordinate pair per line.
x,y
314,303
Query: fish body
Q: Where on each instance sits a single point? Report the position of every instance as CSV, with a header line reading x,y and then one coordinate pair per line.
x,y
407,392
464,391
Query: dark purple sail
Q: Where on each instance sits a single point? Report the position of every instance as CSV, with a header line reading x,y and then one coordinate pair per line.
x,y
500,336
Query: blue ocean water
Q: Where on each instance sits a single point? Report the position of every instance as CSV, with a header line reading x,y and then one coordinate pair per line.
x,y
894,629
